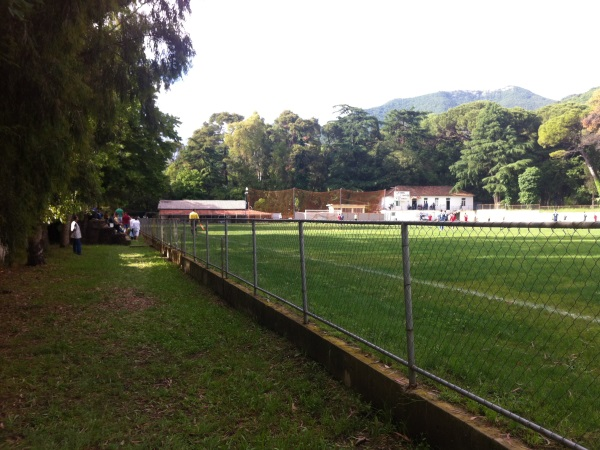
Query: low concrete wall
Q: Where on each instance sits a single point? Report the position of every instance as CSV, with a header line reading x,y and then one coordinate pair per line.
x,y
504,215
443,425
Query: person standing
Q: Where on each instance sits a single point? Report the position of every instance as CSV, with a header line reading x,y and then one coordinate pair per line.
x,y
194,220
135,227
117,222
119,212
76,235
126,221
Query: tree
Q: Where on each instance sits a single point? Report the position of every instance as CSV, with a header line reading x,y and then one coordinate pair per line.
x,y
249,151
203,161
570,130
349,144
590,140
133,170
495,155
68,67
187,183
456,124
309,171
448,132
296,158
560,180
405,154
529,186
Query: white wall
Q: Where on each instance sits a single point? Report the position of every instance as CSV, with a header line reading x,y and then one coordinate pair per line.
x,y
455,203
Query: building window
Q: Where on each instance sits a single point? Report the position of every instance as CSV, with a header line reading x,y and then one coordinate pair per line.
x,y
463,202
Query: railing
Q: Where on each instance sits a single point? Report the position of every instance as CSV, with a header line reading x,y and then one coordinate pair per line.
x,y
506,207
506,315
483,206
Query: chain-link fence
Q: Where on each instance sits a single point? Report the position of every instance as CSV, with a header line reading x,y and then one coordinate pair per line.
x,y
501,317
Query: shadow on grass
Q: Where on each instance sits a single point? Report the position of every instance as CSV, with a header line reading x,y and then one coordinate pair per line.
x,y
118,348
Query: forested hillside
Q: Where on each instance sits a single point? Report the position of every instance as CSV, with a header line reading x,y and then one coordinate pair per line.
x,y
439,102
581,98
502,155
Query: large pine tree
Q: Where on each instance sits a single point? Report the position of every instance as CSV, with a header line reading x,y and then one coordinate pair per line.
x,y
68,67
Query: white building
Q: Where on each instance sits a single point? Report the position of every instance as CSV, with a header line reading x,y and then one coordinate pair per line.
x,y
400,199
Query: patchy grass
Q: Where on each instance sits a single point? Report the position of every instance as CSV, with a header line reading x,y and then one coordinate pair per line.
x,y
117,348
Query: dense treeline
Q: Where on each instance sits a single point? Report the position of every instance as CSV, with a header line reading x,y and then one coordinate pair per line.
x,y
549,156
78,122
79,128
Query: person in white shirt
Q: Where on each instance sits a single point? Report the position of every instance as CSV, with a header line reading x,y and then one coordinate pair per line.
x,y
134,224
76,235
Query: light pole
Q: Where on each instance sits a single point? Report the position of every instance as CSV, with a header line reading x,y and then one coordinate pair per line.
x,y
246,199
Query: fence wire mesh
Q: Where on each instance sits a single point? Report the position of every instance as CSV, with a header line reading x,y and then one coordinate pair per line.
x,y
507,312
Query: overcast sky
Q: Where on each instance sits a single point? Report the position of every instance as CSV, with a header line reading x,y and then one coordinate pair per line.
x,y
268,56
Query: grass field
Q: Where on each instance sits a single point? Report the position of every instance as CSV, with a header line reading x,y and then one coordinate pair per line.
x,y
119,349
510,314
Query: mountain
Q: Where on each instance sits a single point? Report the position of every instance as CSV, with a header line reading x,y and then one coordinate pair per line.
x,y
509,97
581,98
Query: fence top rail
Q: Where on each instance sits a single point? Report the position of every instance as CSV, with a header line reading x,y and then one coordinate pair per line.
x,y
434,223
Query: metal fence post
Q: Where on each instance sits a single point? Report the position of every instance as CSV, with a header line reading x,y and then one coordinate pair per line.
x,y
303,271
175,234
410,332
184,246
254,257
194,233
223,257
226,248
207,246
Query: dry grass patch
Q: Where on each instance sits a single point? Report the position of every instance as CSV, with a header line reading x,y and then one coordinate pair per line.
x,y
128,299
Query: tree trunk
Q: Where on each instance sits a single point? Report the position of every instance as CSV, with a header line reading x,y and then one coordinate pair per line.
x,y
588,163
35,248
3,253
65,236
496,197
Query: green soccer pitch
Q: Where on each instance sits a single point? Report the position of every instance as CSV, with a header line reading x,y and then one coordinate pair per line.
x,y
510,314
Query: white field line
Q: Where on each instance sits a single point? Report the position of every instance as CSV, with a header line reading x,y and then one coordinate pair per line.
x,y
510,301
